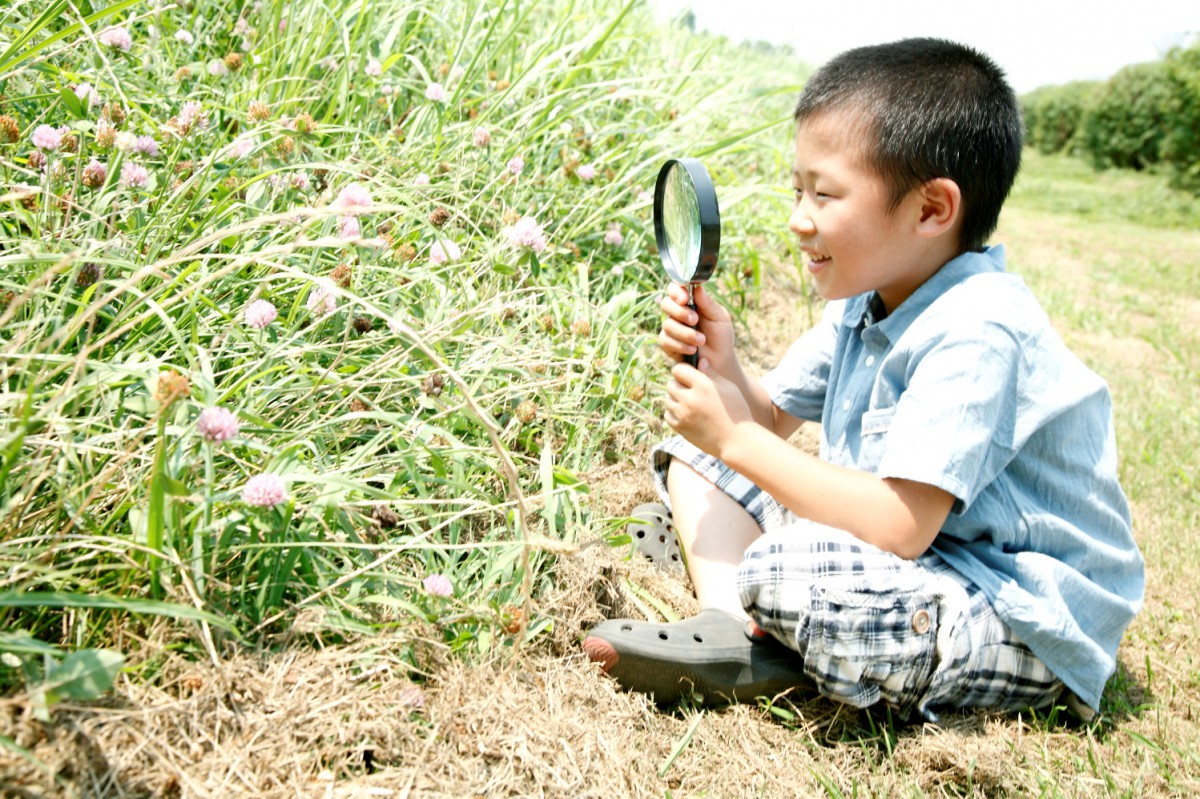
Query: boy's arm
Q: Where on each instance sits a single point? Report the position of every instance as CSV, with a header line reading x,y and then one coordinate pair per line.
x,y
896,515
766,412
715,414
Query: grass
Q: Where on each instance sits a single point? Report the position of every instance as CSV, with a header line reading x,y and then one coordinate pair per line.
x,y
427,414
450,418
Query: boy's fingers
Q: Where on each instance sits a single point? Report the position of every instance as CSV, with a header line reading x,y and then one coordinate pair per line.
x,y
678,293
675,350
677,311
683,332
685,374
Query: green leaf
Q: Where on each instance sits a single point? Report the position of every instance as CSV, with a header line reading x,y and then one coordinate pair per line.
x,y
72,102
85,674
21,642
42,700
565,477
54,599
143,406
174,487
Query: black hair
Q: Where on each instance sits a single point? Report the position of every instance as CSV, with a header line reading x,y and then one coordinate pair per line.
x,y
931,109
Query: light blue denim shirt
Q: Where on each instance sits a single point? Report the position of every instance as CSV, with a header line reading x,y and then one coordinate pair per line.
x,y
967,387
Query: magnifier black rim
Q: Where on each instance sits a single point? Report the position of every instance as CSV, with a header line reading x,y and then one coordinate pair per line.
x,y
710,215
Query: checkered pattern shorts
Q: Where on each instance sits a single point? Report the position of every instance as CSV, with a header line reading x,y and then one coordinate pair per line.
x,y
870,625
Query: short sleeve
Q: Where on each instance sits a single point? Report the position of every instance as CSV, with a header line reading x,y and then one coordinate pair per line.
x,y
955,424
799,383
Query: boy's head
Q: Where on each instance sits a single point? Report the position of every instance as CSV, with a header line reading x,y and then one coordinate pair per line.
x,y
927,108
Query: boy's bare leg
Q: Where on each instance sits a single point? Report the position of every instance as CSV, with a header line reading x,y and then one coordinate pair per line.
x,y
714,531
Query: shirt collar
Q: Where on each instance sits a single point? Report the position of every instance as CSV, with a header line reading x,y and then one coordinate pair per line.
x,y
866,310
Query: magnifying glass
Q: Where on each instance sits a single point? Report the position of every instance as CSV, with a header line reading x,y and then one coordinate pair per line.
x,y
687,225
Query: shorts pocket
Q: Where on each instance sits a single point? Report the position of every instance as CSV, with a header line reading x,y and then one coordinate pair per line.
x,y
862,646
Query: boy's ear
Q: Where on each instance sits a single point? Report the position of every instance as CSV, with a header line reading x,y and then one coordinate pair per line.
x,y
941,206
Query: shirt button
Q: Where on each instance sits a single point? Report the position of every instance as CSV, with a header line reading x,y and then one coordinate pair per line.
x,y
870,360
921,622
846,405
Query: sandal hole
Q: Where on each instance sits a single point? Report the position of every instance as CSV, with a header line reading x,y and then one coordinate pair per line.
x,y
625,628
662,539
698,638
662,634
640,533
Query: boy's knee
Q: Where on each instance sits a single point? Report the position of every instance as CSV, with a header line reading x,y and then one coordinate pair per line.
x,y
776,577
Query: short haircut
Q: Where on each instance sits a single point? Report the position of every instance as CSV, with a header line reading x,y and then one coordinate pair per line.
x,y
931,109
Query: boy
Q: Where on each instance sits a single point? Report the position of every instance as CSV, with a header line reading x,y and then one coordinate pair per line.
x,y
962,541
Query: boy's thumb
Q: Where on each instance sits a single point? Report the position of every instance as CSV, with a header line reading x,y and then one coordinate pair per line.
x,y
704,301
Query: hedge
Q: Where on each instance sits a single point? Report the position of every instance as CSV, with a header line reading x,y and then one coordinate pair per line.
x,y
1146,115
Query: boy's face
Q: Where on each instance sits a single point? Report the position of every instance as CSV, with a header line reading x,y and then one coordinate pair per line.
x,y
853,243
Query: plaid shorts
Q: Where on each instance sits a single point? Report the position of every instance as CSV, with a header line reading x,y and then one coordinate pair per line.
x,y
870,625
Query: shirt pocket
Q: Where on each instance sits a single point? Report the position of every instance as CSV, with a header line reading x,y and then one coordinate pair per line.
x,y
875,426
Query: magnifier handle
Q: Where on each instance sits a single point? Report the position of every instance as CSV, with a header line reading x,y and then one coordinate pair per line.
x,y
693,358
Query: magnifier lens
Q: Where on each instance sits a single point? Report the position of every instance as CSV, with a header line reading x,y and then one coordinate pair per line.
x,y
687,225
681,223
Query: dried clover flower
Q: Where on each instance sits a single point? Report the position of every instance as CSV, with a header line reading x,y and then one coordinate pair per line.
x,y
342,275
10,131
527,411
171,386
88,274
258,111
433,384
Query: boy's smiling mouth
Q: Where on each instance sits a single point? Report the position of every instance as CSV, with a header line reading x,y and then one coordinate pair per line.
x,y
818,260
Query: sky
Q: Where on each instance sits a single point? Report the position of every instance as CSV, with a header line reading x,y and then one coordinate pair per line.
x,y
1036,42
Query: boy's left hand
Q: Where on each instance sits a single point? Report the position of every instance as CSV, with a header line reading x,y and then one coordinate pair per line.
x,y
704,407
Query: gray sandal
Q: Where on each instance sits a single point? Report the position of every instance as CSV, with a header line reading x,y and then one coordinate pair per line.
x,y
653,533
713,658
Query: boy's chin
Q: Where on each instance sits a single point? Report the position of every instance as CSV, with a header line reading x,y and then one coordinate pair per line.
x,y
829,294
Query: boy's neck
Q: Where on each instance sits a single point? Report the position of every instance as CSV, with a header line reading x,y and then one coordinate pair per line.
x,y
932,265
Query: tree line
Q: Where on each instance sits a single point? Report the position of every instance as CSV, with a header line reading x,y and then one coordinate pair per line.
x,y
1146,116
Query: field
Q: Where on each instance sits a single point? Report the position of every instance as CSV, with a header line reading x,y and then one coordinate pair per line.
x,y
322,400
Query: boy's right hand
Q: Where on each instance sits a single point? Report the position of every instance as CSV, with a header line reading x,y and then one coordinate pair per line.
x,y
714,336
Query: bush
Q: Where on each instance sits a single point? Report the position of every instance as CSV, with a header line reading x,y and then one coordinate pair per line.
x,y
1126,122
1053,114
1181,144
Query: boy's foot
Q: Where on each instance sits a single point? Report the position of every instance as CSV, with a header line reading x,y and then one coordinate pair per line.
x,y
713,657
654,535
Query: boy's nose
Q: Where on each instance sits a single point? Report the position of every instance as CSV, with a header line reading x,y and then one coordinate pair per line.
x,y
800,222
